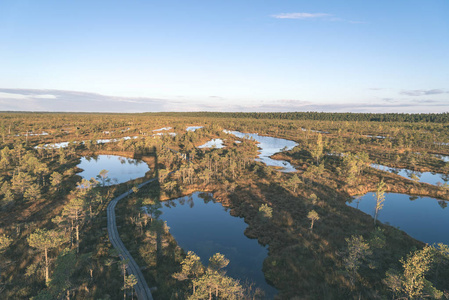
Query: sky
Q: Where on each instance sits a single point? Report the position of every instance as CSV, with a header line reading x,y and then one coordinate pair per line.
x,y
233,55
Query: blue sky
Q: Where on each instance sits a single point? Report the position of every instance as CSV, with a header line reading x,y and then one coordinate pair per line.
x,y
374,56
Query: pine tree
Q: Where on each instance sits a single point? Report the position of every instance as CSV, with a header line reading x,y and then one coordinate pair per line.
x,y
191,268
356,253
317,152
55,180
44,240
313,216
74,211
411,282
5,242
130,282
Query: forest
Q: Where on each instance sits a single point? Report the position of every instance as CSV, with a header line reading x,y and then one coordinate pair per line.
x,y
54,241
322,116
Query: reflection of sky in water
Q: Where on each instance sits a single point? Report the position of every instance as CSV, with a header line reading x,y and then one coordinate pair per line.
x,y
376,136
120,168
193,128
169,133
444,158
425,219
163,128
100,141
214,143
269,146
208,228
427,177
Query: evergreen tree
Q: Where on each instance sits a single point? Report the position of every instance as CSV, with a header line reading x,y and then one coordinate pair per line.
x,y
313,216
45,240
5,242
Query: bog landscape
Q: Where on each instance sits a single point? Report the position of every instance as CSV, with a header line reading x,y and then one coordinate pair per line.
x,y
238,149
224,206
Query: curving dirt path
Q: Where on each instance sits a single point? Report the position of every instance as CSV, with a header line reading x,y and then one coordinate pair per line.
x,y
142,289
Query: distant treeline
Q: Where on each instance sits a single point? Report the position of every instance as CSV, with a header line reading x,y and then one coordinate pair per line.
x,y
320,116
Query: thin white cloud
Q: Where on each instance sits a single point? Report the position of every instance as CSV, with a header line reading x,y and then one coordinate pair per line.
x,y
13,94
8,95
59,100
320,16
45,96
423,92
383,106
300,15
72,101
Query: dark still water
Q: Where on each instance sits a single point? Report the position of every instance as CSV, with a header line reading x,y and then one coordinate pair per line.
x,y
200,225
426,219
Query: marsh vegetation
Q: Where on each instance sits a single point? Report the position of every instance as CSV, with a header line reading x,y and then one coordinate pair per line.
x,y
52,220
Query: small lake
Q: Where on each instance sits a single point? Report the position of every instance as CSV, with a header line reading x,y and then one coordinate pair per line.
x,y
427,177
214,143
423,218
120,169
269,146
205,227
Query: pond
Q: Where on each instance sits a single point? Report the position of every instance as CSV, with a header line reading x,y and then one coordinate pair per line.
x,y
444,158
427,177
104,141
34,134
163,128
375,136
423,218
193,128
214,143
269,146
159,133
205,227
120,169
100,141
55,145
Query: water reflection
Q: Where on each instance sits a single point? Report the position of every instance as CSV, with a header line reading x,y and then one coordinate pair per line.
x,y
120,169
426,219
269,146
375,136
214,143
163,128
201,225
193,128
444,158
100,141
427,177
